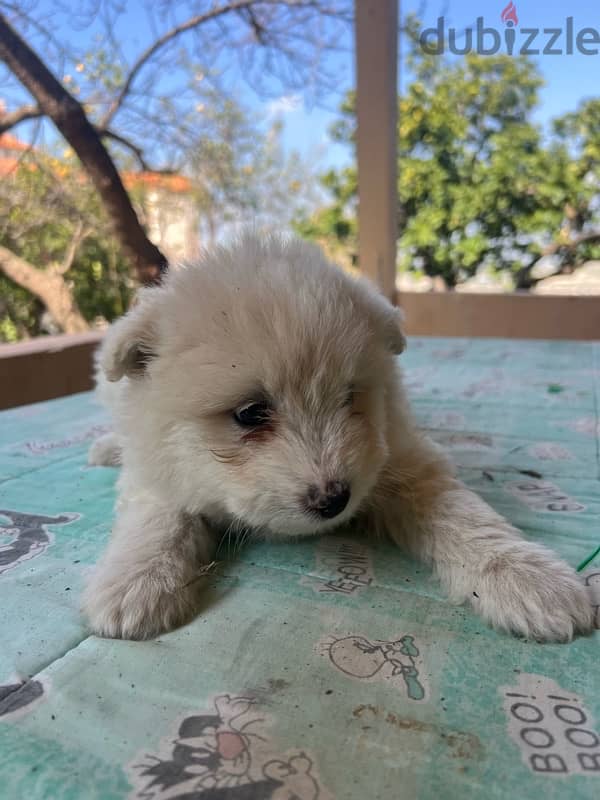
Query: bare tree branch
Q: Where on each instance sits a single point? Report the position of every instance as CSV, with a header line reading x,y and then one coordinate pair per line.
x,y
194,22
571,244
69,117
137,151
259,30
9,120
243,8
79,236
49,286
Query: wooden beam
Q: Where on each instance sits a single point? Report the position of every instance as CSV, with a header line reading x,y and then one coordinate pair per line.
x,y
516,315
376,33
46,367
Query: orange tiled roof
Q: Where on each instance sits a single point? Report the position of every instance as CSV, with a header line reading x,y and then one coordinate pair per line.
x,y
10,164
178,184
7,165
10,142
172,183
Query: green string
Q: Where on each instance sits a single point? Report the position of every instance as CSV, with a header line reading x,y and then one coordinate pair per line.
x,y
590,558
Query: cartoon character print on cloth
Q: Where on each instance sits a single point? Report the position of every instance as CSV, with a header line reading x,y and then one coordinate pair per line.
x,y
29,535
397,661
18,697
543,496
586,425
496,382
550,451
37,448
446,419
344,566
224,754
553,729
463,441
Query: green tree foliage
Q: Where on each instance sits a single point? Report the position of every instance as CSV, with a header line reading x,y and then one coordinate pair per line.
x,y
478,182
46,205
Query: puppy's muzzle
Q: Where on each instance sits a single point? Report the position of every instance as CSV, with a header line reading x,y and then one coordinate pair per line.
x,y
328,503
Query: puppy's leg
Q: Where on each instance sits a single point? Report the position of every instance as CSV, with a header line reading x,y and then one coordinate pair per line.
x,y
105,451
148,580
515,585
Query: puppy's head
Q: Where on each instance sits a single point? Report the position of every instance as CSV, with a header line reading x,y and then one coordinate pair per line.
x,y
256,386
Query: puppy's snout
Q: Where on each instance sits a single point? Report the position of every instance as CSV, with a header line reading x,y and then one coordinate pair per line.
x,y
331,502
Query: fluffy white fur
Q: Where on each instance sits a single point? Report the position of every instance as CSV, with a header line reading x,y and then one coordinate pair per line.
x,y
271,319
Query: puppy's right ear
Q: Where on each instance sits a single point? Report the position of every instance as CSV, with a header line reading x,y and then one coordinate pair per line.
x,y
129,344
387,319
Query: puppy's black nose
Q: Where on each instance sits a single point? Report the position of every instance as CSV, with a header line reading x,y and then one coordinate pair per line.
x,y
331,502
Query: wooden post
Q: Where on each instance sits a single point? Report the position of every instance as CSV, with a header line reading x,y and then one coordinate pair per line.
x,y
376,33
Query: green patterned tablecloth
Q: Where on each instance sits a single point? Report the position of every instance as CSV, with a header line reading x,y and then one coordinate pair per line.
x,y
324,669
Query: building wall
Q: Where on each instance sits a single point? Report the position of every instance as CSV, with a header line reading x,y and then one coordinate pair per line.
x,y
172,223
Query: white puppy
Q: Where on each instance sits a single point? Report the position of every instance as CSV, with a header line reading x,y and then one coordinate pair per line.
x,y
260,389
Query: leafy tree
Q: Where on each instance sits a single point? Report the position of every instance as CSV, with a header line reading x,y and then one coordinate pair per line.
x,y
577,164
478,184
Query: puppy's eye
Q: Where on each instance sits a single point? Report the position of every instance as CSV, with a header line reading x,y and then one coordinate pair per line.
x,y
253,415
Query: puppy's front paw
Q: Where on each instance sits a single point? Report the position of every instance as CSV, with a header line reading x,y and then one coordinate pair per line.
x,y
139,607
531,593
105,451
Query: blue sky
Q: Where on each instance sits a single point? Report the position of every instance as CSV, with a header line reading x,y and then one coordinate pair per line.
x,y
569,78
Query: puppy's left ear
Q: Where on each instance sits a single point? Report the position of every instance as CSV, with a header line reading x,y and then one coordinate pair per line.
x,y
393,322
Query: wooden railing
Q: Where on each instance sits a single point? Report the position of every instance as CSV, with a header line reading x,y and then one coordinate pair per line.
x,y
53,366
519,315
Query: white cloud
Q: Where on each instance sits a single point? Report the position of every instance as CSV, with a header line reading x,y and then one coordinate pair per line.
x,y
286,104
